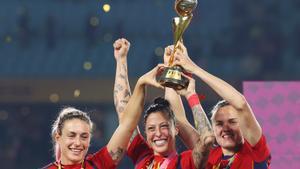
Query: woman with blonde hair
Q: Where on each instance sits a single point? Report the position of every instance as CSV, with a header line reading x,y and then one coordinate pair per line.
x,y
72,132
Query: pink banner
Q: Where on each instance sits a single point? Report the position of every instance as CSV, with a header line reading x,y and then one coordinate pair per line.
x,y
276,106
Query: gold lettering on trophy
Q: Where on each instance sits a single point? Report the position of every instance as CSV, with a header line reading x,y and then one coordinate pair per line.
x,y
177,75
169,74
174,74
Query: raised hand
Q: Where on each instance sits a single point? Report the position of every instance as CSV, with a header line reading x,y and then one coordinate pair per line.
x,y
190,90
182,48
150,77
168,53
182,59
121,47
208,139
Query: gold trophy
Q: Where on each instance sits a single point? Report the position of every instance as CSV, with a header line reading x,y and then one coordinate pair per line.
x,y
171,76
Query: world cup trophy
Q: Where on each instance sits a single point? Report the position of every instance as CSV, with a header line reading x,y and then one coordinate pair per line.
x,y
171,76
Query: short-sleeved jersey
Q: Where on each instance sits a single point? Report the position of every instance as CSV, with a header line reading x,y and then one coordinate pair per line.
x,y
100,160
248,157
142,156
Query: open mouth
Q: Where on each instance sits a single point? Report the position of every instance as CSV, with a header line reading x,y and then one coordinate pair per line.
x,y
227,136
76,151
160,142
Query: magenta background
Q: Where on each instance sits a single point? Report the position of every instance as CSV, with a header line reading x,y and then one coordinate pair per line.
x,y
276,106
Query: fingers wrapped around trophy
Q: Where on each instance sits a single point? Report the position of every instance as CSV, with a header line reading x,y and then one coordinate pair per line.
x,y
172,77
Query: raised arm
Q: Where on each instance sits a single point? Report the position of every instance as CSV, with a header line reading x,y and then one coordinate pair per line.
x,y
187,132
122,90
119,140
206,137
250,128
201,121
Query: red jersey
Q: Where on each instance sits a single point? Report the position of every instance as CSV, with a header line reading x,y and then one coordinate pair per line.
x,y
143,156
248,157
99,160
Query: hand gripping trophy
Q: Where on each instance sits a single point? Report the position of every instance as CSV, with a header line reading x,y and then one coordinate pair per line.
x,y
171,76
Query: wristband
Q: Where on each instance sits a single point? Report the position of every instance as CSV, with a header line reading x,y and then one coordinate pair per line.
x,y
193,100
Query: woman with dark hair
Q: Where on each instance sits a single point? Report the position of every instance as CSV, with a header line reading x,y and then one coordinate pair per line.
x,y
161,127
159,149
71,133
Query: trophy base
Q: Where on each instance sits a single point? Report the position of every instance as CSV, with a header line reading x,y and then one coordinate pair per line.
x,y
171,77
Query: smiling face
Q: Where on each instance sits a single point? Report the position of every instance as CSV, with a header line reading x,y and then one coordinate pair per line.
x,y
227,130
160,133
74,141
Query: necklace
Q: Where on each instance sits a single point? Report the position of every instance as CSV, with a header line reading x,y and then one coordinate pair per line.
x,y
229,163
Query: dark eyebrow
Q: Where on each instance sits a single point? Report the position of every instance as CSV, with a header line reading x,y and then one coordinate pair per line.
x,y
148,126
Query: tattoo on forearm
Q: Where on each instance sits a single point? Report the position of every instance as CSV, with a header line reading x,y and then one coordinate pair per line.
x,y
201,152
127,93
120,109
124,101
202,123
200,158
119,87
117,155
124,68
122,76
121,91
